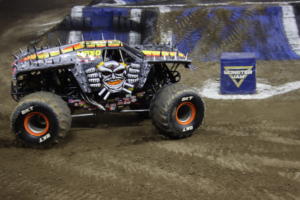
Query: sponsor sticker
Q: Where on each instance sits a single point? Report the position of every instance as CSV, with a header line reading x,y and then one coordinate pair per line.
x,y
238,74
187,98
189,128
24,112
86,54
44,138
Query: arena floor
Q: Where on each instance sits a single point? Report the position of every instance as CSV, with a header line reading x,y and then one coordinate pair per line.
x,y
246,149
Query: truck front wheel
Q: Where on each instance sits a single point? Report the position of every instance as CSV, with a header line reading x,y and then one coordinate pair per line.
x,y
41,119
177,111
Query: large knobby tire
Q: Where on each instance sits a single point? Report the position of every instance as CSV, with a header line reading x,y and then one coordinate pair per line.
x,y
177,111
40,120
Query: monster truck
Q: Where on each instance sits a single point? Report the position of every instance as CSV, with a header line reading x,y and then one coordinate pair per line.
x,y
50,84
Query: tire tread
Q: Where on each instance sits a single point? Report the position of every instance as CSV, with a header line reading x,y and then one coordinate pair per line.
x,y
58,106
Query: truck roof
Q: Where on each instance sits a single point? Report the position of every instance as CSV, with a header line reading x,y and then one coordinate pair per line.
x,y
153,53
56,51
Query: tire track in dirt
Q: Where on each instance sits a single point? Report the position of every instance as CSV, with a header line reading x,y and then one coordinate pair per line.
x,y
206,152
26,185
287,195
82,169
287,144
142,156
246,129
273,135
123,168
268,137
295,176
201,184
229,159
253,164
251,144
115,169
220,189
102,173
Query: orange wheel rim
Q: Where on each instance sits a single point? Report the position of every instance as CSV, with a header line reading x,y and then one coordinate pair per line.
x,y
185,113
36,124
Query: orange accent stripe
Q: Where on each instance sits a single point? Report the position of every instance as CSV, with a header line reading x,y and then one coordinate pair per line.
x,y
162,53
77,46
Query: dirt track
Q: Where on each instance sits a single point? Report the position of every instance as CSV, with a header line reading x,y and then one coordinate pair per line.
x,y
245,150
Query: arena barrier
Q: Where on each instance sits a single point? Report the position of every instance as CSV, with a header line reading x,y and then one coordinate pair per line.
x,y
271,32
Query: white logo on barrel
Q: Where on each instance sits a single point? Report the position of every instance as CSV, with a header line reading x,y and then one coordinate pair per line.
x,y
238,74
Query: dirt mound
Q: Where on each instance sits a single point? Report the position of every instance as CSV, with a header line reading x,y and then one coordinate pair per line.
x,y
207,32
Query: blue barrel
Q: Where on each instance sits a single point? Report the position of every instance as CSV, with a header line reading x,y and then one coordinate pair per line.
x,y
238,73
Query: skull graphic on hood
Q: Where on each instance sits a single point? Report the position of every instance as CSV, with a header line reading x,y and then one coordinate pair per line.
x,y
113,77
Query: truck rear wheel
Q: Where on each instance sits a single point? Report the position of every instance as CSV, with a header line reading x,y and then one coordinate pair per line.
x,y
41,119
177,111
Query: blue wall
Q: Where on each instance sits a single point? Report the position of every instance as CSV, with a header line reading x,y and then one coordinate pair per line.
x,y
102,23
264,31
